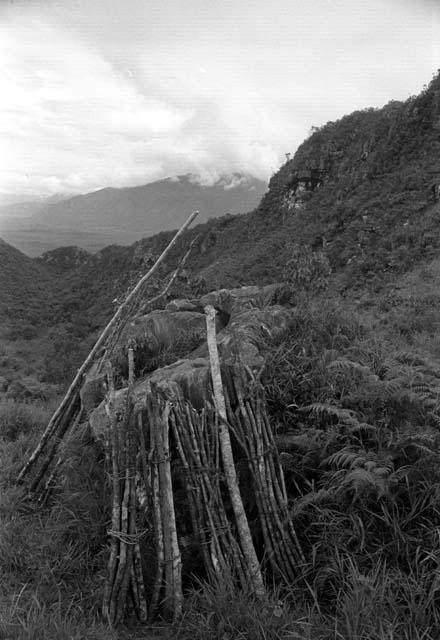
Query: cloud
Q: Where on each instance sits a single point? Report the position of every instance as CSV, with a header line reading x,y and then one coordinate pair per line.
x,y
101,94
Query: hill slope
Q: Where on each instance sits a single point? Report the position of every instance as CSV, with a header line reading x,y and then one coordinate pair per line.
x,y
371,211
26,287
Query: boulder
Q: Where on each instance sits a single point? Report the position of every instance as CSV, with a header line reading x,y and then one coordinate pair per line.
x,y
233,301
182,305
245,333
164,330
245,318
93,390
187,379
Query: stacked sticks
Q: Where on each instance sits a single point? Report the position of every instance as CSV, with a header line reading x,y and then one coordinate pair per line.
x,y
250,425
124,574
197,440
147,448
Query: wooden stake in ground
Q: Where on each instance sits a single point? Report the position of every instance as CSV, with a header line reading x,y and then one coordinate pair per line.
x,y
124,575
116,493
159,425
76,383
243,529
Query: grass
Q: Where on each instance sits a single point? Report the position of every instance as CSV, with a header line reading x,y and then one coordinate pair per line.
x,y
50,559
24,619
377,604
220,611
355,413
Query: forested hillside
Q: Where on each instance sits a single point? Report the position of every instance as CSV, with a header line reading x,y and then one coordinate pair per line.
x,y
372,209
360,190
26,287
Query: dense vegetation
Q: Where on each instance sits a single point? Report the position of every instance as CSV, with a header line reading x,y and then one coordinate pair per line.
x,y
353,390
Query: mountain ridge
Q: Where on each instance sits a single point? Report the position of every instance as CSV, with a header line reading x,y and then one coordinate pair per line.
x,y
123,215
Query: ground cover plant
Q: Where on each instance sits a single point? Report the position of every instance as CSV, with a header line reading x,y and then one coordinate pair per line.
x,y
355,411
49,557
357,419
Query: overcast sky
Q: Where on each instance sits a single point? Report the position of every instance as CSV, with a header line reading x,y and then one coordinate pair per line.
x,y
99,93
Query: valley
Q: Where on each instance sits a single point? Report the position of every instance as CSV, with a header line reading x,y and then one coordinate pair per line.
x,y
121,216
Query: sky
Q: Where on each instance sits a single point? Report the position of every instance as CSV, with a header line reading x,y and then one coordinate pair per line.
x,y
98,93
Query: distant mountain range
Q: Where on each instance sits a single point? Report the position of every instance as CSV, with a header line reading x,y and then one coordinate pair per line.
x,y
122,216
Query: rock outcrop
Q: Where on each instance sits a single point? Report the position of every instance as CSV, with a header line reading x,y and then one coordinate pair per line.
x,y
245,317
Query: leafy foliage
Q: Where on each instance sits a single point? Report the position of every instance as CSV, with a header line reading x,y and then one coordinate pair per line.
x,y
354,400
357,427
306,271
50,559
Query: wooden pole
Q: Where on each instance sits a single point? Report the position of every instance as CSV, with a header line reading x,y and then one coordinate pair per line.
x,y
173,562
243,528
116,494
51,427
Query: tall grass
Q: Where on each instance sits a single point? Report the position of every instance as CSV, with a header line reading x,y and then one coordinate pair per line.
x,y
356,420
357,423
51,561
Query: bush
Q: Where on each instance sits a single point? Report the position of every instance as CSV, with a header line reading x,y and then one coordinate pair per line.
x,y
28,388
306,271
23,332
19,418
357,427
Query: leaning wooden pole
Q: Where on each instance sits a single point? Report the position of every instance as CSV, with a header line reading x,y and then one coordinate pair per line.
x,y
244,533
51,427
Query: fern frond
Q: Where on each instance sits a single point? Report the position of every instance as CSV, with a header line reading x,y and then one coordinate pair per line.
x,y
346,458
328,356
301,442
362,428
312,499
349,366
384,389
323,409
364,482
409,357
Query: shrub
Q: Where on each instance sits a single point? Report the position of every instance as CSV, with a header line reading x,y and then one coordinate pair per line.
x,y
28,388
20,418
23,331
356,423
306,271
